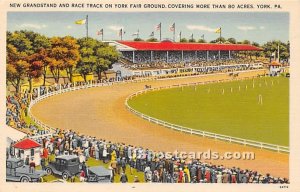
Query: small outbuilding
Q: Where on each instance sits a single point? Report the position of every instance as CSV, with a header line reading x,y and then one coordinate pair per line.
x,y
28,148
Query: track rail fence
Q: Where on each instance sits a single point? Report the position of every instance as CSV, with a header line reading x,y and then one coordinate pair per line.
x,y
237,140
187,130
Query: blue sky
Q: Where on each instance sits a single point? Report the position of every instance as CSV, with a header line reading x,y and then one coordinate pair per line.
x,y
254,26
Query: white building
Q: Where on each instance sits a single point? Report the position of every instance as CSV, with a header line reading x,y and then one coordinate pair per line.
x,y
30,148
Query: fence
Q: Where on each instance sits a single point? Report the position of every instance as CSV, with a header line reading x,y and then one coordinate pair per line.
x,y
252,143
227,138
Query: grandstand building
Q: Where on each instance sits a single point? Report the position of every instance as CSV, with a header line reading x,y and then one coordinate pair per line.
x,y
141,58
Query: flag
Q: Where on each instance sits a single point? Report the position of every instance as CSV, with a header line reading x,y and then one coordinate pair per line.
x,y
80,22
172,27
100,32
179,35
158,27
121,32
136,33
218,30
152,34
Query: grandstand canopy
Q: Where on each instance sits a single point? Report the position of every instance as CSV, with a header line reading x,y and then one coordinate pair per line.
x,y
171,46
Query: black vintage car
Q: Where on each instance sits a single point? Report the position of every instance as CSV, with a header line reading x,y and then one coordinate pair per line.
x,y
17,171
65,166
98,174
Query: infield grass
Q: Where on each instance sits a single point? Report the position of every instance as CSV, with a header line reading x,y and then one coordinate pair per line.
x,y
235,112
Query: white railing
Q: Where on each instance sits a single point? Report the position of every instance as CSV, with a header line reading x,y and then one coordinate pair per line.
x,y
227,138
154,120
69,89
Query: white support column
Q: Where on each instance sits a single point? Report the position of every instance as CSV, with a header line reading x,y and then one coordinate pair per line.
x,y
151,56
167,56
195,54
207,55
219,54
133,55
229,54
181,55
39,91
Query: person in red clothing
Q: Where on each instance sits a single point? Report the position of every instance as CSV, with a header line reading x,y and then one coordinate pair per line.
x,y
46,154
207,175
82,176
180,176
233,178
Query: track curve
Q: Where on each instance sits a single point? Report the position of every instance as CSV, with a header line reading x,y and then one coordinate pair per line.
x,y
101,112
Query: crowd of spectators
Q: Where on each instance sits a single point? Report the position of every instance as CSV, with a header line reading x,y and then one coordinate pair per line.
x,y
142,59
154,165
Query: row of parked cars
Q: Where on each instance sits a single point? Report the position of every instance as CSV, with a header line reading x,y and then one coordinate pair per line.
x,y
65,166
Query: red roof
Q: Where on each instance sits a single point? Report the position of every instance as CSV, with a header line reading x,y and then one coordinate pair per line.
x,y
27,144
170,46
274,63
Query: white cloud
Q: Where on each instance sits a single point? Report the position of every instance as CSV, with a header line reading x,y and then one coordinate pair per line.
x,y
246,28
262,27
69,27
200,28
115,27
32,26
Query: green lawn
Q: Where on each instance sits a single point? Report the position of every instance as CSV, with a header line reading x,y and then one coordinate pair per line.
x,y
235,113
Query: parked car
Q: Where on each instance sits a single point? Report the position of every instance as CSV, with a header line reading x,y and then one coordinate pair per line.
x,y
98,174
16,170
65,166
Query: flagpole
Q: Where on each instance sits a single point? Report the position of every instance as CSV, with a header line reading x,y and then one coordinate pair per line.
x,y
174,33
121,34
160,31
87,27
220,34
102,34
180,36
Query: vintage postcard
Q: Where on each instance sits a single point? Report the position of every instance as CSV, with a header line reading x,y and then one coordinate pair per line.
x,y
139,95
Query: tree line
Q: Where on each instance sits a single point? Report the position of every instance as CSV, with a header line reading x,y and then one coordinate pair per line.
x,y
31,55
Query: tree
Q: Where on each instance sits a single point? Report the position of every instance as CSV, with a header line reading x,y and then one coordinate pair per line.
x,y
41,46
72,56
201,41
88,57
18,49
231,40
138,39
183,40
63,55
152,39
106,57
16,67
246,42
192,40
218,40
35,69
20,42
256,53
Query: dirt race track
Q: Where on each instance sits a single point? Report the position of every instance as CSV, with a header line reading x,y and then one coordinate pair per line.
x,y
101,112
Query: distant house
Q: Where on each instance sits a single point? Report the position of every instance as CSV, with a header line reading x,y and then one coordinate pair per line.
x,y
28,147
275,68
